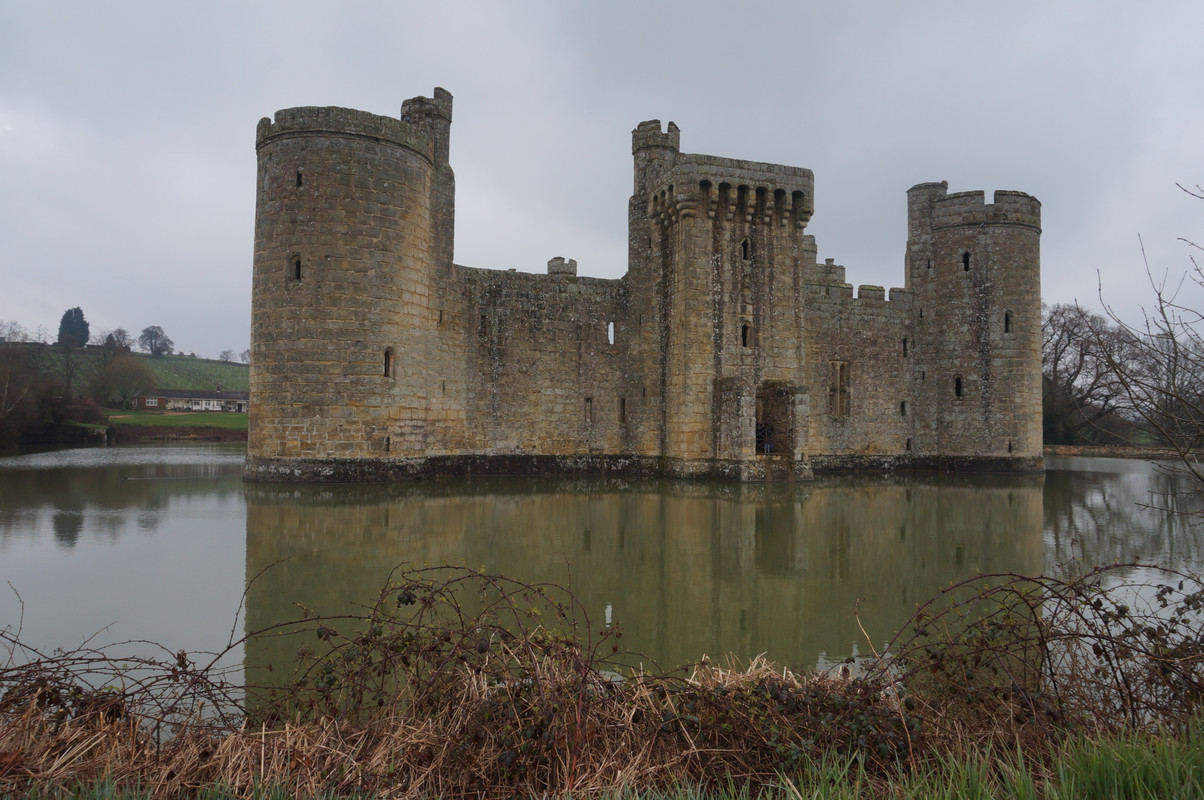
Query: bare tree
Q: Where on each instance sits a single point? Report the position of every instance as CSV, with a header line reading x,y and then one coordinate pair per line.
x,y
227,356
1159,368
1080,394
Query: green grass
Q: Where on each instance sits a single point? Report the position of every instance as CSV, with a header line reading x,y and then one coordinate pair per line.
x,y
183,372
183,419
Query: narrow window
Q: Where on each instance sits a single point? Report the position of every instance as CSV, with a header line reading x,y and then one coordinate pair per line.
x,y
905,348
907,445
745,249
903,409
440,317
294,268
610,333
622,410
388,443
930,263
388,362
300,179
744,329
1009,445
1007,322
966,261
838,388
957,386
589,409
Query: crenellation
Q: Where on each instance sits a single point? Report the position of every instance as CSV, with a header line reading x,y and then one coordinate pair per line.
x,y
726,343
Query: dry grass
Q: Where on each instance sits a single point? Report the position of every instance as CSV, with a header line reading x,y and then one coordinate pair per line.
x,y
460,684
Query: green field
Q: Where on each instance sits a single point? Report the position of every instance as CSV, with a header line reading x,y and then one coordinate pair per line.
x,y
183,372
181,419
171,372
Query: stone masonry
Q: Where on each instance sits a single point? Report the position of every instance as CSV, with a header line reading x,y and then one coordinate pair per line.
x,y
725,351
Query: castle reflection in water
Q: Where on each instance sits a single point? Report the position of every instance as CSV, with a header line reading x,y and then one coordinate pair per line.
x,y
685,569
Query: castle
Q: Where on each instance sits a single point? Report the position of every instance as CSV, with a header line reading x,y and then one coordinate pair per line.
x,y
725,351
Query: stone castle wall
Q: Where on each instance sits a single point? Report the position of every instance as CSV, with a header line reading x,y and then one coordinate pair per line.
x,y
726,350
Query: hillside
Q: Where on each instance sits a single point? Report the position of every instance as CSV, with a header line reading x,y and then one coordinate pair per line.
x,y
184,372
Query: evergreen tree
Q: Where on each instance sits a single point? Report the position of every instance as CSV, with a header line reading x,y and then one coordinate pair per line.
x,y
73,328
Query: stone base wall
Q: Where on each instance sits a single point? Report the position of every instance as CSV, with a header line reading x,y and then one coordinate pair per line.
x,y
374,470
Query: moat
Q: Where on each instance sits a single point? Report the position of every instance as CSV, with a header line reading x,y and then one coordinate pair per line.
x,y
159,543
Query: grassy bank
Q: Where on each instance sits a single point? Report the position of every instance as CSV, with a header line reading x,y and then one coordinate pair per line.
x,y
207,426
1130,767
460,684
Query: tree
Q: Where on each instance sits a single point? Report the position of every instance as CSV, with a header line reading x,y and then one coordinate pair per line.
x,y
126,377
227,356
245,356
1081,398
121,339
1159,364
154,341
73,328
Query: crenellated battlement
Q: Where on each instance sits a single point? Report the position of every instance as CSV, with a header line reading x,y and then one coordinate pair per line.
x,y
648,134
332,120
964,209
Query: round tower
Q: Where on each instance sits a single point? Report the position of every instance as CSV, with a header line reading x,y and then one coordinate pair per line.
x,y
345,238
975,269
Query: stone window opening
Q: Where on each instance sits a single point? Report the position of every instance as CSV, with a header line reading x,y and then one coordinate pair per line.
x,y
905,347
294,268
745,249
745,331
957,387
610,333
1009,445
907,445
388,443
589,409
966,261
622,410
903,408
1007,322
838,388
300,179
388,362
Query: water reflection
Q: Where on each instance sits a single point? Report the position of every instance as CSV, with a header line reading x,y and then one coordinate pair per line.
x,y
683,568
159,543
110,544
1110,510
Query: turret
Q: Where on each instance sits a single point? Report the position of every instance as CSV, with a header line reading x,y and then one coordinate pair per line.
x,y
352,218
975,270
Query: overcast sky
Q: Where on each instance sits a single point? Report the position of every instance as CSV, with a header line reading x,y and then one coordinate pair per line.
x,y
127,131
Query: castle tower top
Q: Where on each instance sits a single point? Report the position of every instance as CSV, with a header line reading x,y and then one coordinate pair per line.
x,y
648,134
435,114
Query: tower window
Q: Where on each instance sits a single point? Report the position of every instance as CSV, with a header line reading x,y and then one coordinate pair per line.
x,y
905,348
838,388
745,249
589,409
966,261
957,386
903,409
300,179
610,333
907,445
745,330
294,269
388,362
622,410
1007,322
